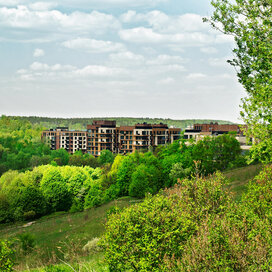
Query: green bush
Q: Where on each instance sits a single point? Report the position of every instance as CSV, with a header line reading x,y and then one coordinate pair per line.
x,y
259,194
141,236
6,256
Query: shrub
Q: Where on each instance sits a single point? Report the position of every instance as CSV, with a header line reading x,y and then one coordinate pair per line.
x,y
139,237
142,236
6,256
259,194
235,241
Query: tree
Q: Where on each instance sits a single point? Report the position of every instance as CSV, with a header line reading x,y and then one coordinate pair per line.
x,y
106,157
249,21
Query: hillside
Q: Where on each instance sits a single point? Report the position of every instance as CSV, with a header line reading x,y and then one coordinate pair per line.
x,y
61,236
80,123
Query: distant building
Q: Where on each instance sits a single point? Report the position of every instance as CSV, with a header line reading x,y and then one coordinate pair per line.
x,y
104,134
198,131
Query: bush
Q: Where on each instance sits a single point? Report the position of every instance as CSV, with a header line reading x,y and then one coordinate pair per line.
x,y
6,256
141,236
259,194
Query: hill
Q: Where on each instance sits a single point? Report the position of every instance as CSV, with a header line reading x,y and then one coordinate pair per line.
x,y
81,123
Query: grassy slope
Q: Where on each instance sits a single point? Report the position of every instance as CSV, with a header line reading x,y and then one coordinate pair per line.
x,y
240,177
62,236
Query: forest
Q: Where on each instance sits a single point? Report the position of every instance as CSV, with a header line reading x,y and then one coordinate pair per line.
x,y
81,123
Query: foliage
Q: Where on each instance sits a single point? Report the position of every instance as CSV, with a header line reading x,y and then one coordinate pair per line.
x,y
194,226
46,189
140,237
249,22
106,157
6,256
259,194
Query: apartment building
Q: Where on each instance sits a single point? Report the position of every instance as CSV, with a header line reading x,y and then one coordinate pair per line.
x,y
103,134
61,137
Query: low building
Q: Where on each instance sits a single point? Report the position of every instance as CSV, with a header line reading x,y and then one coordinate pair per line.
x,y
104,134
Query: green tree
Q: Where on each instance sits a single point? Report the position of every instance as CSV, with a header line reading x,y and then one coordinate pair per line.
x,y
106,157
249,22
56,191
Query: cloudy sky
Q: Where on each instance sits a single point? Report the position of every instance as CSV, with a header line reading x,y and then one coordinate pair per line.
x,y
90,58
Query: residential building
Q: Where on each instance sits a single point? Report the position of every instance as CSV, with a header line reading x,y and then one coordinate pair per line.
x,y
61,137
198,131
103,134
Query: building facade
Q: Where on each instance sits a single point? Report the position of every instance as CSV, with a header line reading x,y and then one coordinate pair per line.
x,y
199,131
104,134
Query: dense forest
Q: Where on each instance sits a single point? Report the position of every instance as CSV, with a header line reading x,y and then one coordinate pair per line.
x,y
81,123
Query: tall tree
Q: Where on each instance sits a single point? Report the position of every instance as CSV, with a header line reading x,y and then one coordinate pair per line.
x,y
250,22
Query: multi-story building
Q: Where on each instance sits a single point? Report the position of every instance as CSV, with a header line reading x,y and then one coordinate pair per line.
x,y
61,137
103,135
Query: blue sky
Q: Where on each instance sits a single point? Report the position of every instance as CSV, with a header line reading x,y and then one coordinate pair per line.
x,y
89,58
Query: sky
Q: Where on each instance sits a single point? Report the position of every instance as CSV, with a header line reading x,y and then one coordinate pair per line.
x,y
115,58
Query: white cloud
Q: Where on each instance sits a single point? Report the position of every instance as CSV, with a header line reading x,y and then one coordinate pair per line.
x,y
42,6
167,80
53,22
127,58
38,53
196,76
113,3
8,3
219,62
141,35
209,50
94,46
164,23
43,71
166,59
148,35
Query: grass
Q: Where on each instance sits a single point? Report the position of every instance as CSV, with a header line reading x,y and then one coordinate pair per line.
x,y
240,177
61,237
